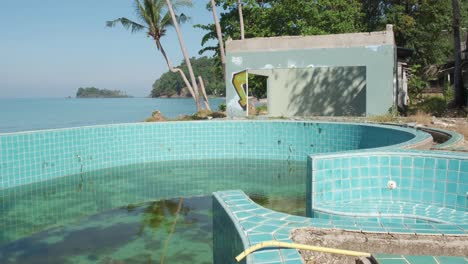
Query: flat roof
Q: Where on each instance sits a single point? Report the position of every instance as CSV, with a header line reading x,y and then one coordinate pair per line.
x,y
361,39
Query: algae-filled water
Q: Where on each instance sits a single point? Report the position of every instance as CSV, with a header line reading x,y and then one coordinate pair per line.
x,y
144,213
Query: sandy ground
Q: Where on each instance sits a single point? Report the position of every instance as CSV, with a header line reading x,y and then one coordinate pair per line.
x,y
400,244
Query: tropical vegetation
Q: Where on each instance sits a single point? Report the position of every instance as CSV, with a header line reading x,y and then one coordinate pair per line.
x,y
93,92
172,85
428,27
155,17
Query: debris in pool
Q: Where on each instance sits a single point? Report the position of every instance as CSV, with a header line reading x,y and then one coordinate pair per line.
x,y
391,185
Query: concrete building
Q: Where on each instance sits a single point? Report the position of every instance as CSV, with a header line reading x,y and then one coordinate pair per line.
x,y
328,75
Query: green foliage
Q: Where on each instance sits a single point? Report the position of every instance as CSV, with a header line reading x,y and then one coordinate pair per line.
x,y
222,107
262,109
422,25
416,84
269,18
433,105
258,85
93,92
449,93
171,84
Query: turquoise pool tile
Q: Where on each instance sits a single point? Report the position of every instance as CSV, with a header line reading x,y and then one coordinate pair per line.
x,y
429,163
249,225
337,163
257,238
266,256
442,164
384,171
392,261
452,176
374,160
407,162
293,261
429,174
463,188
384,161
364,161
355,162
395,171
387,256
464,165
418,162
451,260
418,173
454,165
395,161
421,260
265,228
451,187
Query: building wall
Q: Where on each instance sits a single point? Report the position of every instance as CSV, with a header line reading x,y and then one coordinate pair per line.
x,y
316,91
378,60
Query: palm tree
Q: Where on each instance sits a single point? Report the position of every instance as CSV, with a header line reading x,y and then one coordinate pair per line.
x,y
155,18
219,34
241,18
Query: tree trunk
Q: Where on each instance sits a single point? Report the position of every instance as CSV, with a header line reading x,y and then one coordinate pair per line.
x,y
241,18
459,100
172,69
184,52
205,98
222,54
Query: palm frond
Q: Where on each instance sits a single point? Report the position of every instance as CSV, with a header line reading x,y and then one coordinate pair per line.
x,y
149,10
127,24
141,13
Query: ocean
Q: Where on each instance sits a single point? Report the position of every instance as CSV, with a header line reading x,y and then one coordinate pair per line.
x,y
39,113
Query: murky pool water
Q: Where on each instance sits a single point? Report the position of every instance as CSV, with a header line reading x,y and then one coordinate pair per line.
x,y
144,213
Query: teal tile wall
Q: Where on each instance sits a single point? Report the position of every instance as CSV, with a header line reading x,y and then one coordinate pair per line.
x,y
227,240
256,224
39,156
430,185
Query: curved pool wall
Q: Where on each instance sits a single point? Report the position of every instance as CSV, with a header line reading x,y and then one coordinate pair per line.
x,y
30,157
430,198
427,186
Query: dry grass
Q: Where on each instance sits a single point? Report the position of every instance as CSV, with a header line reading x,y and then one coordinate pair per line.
x,y
461,128
420,118
388,118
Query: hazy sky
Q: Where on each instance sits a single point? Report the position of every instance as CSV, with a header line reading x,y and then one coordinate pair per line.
x,y
50,48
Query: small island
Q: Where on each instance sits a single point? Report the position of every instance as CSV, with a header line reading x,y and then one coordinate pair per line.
x,y
93,92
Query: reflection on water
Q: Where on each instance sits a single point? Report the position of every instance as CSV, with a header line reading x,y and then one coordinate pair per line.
x,y
129,214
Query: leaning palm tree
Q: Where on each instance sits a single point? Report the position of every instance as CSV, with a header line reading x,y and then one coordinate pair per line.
x,y
219,34
241,18
155,19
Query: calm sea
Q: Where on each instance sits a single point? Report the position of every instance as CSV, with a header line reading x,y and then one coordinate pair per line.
x,y
35,114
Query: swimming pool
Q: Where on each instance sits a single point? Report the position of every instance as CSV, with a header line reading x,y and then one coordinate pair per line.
x,y
62,186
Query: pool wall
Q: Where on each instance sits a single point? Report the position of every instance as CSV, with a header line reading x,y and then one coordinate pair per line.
x,y
431,186
227,240
30,157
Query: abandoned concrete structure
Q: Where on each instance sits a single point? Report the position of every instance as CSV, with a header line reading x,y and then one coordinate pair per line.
x,y
329,75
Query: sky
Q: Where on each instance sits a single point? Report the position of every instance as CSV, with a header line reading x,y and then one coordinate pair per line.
x,y
50,48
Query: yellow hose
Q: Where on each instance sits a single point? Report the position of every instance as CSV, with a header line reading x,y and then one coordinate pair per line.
x,y
273,243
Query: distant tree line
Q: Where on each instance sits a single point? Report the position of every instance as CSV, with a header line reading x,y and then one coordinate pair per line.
x,y
93,92
172,85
